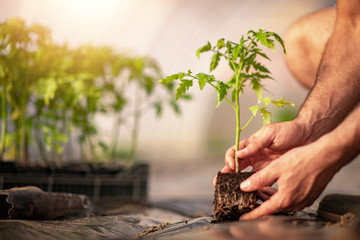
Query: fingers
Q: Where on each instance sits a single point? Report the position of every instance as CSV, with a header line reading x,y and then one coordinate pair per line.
x,y
255,143
230,158
258,180
225,169
271,206
265,193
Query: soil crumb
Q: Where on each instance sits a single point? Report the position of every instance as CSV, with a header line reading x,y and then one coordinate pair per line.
x,y
151,230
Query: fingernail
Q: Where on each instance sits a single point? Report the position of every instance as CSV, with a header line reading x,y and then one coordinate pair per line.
x,y
245,185
214,181
243,217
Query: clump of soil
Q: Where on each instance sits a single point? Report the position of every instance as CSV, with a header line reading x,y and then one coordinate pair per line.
x,y
230,202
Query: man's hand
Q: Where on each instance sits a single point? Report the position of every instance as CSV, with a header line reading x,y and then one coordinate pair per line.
x,y
301,175
267,144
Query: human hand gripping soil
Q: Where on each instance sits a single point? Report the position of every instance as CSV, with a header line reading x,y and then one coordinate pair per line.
x,y
301,174
264,150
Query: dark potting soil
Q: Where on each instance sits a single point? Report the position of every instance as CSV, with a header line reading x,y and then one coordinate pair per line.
x,y
230,202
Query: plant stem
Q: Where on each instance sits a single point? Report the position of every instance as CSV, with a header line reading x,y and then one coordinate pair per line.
x,y
135,129
237,113
3,123
116,135
238,129
24,155
39,143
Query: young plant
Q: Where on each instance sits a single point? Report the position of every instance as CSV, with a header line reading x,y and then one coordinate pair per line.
x,y
242,58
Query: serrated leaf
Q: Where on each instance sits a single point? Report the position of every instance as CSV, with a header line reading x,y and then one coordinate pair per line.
x,y
183,87
279,40
266,115
169,78
260,67
204,48
202,80
228,46
186,97
175,107
236,52
254,109
256,87
214,61
261,36
222,89
271,45
181,75
221,43
281,102
266,100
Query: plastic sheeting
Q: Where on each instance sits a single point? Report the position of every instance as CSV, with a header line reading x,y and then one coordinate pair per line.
x,y
178,219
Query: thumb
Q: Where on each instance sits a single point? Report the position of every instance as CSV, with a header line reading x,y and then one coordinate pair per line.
x,y
257,181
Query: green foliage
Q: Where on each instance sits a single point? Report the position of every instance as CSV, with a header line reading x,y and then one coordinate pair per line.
x,y
243,59
48,92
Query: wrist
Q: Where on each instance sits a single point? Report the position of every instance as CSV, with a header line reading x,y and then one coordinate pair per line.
x,y
332,154
305,123
318,118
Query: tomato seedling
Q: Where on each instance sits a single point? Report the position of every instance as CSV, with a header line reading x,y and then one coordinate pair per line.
x,y
242,58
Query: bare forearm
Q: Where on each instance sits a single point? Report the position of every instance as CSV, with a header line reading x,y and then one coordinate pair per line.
x,y
337,88
342,144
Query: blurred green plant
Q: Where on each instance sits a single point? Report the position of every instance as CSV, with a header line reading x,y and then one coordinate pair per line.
x,y
49,93
242,58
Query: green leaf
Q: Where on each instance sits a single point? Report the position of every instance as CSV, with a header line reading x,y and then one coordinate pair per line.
x,y
266,115
256,87
222,89
186,97
158,107
260,67
228,46
279,40
254,109
281,102
261,36
181,75
175,107
183,87
214,61
103,145
202,80
236,52
266,100
204,48
149,85
169,79
221,43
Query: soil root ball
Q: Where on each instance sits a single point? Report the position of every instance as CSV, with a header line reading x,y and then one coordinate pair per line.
x,y
230,202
